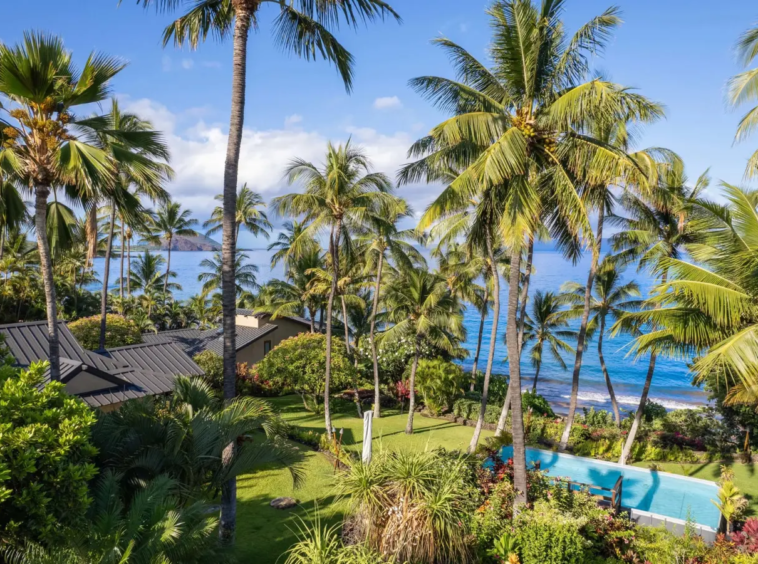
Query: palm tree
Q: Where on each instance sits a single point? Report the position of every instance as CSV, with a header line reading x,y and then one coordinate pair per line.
x,y
171,220
292,244
139,154
341,194
302,27
656,229
742,89
247,215
420,305
13,214
381,237
147,275
547,326
38,145
610,297
244,274
522,128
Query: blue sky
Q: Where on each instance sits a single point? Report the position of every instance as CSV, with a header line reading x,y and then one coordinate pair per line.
x,y
677,52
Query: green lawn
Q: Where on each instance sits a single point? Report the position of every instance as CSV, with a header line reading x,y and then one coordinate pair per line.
x,y
264,534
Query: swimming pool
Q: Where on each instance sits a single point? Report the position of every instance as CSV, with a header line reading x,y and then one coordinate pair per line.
x,y
659,493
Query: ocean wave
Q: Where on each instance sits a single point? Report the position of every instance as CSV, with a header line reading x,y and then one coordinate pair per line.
x,y
668,403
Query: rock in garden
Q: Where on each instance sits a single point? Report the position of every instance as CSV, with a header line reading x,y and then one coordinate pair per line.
x,y
283,503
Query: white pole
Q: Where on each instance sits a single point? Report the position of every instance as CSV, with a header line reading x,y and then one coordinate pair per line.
x,y
368,421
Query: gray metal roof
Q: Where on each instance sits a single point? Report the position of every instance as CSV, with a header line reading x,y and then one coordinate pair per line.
x,y
296,318
165,358
194,341
130,372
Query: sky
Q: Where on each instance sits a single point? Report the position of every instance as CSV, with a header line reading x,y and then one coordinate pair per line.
x,y
677,52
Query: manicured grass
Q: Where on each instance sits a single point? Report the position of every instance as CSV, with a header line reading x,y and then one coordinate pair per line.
x,y
264,533
745,476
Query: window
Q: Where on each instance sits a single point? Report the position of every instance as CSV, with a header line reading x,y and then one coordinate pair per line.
x,y
266,347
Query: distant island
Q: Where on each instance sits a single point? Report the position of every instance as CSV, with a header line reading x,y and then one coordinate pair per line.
x,y
182,243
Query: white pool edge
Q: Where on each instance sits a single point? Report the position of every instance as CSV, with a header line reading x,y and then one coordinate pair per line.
x,y
672,520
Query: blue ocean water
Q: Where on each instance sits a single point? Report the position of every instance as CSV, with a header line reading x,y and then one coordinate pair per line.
x,y
671,384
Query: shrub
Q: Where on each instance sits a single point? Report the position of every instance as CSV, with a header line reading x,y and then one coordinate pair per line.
x,y
597,418
747,539
537,403
299,364
119,331
546,535
439,382
653,411
213,366
45,458
498,386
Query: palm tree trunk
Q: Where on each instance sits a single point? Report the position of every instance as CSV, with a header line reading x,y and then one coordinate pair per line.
x,y
169,239
321,318
412,388
493,342
514,387
91,228
626,451
313,322
228,519
121,253
536,375
479,339
523,298
611,393
106,274
334,250
372,335
46,266
357,395
582,332
129,266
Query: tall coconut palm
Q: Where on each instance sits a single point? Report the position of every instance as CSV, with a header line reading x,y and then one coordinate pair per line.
x,y
171,220
523,127
381,237
38,142
303,28
139,154
244,274
742,89
656,228
342,193
420,306
148,276
547,326
13,214
247,215
611,297
292,244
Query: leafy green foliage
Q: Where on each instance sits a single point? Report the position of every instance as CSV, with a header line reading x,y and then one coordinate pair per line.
x,y
299,364
213,366
119,331
549,536
439,382
46,458
537,403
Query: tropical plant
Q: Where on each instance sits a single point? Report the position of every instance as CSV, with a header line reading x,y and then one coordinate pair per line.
x,y
120,332
147,275
292,244
298,364
170,220
46,458
522,129
412,506
38,144
302,28
244,273
610,297
440,383
547,326
247,215
742,89
336,197
420,306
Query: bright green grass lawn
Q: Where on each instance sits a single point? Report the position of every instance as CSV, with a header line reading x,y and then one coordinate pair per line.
x,y
263,533
745,476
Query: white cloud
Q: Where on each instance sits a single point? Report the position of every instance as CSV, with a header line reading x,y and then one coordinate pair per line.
x,y
166,63
211,64
198,150
187,64
388,103
294,119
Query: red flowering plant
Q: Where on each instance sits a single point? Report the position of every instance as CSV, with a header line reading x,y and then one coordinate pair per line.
x,y
746,539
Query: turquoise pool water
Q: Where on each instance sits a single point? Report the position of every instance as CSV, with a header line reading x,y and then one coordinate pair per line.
x,y
661,493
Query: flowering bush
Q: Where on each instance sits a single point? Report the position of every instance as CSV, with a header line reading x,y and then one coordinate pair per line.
x,y
747,539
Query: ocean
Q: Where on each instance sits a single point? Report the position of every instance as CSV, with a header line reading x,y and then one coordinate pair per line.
x,y
671,385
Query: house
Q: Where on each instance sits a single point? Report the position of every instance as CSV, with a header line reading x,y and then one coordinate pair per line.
x,y
103,380
256,334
